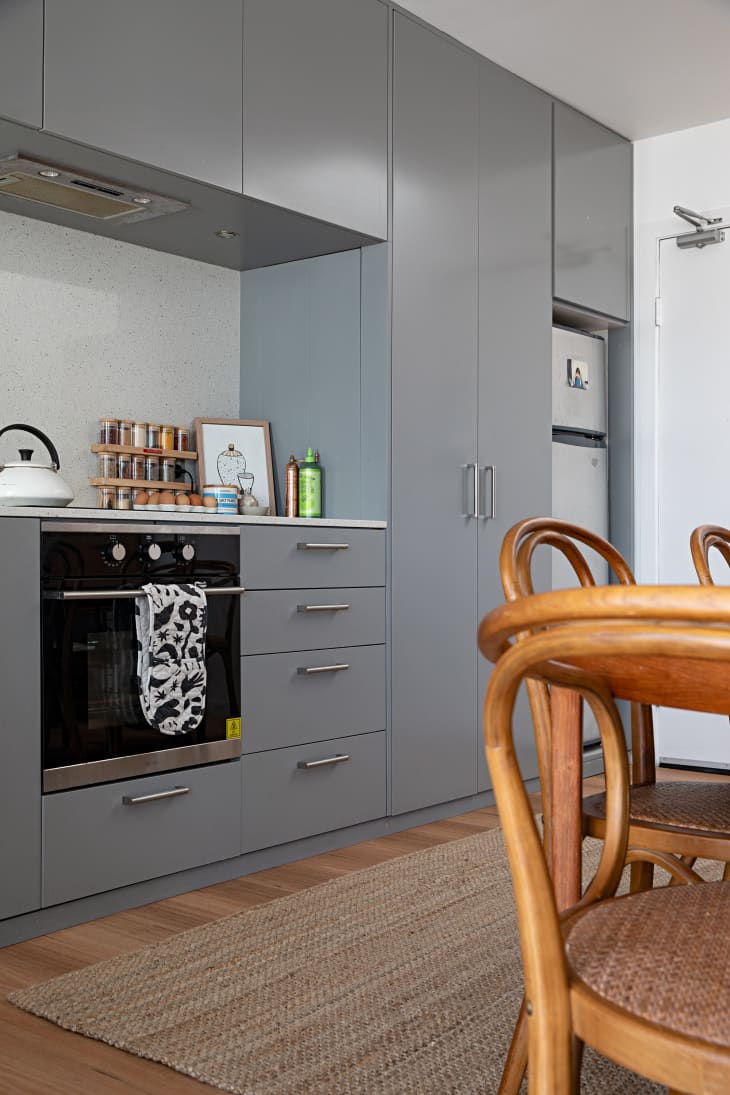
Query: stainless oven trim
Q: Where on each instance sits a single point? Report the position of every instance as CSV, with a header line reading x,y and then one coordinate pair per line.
x,y
139,764
150,527
127,594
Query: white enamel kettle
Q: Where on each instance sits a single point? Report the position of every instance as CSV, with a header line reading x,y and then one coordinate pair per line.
x,y
27,483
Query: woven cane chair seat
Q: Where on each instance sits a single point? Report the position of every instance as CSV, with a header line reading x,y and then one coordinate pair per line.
x,y
616,949
674,806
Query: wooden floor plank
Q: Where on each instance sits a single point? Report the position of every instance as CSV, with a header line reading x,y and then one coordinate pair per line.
x,y
38,1058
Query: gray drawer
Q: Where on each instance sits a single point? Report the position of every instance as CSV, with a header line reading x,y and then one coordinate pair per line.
x,y
272,559
275,620
282,706
93,842
283,802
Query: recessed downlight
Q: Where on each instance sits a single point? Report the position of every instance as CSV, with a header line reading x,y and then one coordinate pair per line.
x,y
49,173
226,233
142,200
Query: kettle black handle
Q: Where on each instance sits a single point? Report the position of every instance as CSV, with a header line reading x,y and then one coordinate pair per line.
x,y
41,437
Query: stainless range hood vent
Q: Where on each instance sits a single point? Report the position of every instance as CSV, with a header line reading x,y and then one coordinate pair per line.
x,y
63,188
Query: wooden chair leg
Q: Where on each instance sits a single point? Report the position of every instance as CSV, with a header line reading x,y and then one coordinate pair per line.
x,y
516,1063
577,1064
726,873
642,877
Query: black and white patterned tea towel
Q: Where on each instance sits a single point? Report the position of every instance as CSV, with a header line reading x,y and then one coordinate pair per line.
x,y
171,623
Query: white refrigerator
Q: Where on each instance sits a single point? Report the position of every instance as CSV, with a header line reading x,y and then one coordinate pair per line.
x,y
580,459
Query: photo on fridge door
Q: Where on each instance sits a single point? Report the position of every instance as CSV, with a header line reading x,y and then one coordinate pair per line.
x,y
577,373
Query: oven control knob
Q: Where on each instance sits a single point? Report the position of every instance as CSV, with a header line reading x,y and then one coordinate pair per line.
x,y
186,553
152,552
115,552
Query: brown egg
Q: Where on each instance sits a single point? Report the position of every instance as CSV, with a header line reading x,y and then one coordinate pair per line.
x,y
142,498
153,498
195,500
209,502
167,498
181,499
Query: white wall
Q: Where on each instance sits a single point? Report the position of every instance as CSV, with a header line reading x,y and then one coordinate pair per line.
x,y
690,168
92,327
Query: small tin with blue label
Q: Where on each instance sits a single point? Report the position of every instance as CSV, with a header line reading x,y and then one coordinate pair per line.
x,y
226,497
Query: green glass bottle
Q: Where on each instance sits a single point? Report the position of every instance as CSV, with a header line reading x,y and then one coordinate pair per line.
x,y
310,486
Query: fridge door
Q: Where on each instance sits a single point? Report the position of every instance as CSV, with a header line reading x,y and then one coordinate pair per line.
x,y
579,381
580,495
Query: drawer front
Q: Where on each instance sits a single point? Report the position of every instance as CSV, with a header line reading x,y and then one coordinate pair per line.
x,y
283,706
93,841
271,557
283,801
275,620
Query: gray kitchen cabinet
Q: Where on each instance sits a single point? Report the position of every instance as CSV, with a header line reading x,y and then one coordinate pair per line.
x,y
471,415
116,834
515,315
21,61
293,793
435,702
160,83
313,670
315,109
592,226
20,721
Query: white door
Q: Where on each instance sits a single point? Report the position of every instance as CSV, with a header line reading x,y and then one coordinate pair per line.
x,y
693,450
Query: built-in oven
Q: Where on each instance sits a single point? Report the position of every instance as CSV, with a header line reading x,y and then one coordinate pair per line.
x,y
94,729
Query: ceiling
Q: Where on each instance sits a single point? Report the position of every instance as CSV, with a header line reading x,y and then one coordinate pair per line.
x,y
642,67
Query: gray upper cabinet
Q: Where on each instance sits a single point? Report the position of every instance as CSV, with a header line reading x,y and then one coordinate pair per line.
x,y
435,705
160,83
315,109
21,61
592,203
515,335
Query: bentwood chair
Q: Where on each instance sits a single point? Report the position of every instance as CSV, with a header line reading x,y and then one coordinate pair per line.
x,y
642,978
686,819
701,542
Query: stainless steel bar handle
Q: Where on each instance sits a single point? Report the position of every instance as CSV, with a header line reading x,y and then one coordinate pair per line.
x,y
492,468
466,512
308,670
340,758
125,594
322,547
322,608
139,800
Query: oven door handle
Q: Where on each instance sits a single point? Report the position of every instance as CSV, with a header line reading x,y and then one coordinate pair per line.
x,y
125,594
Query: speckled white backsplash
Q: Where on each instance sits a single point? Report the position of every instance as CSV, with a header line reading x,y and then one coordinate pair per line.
x,y
92,327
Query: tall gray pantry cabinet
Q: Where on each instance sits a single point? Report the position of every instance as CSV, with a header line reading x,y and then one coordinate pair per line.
x,y
470,388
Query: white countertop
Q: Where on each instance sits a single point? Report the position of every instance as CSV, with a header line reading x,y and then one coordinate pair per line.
x,y
205,517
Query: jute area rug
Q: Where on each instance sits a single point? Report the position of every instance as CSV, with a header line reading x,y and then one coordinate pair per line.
x,y
402,979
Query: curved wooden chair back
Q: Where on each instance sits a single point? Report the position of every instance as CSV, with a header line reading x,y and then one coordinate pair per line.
x,y
701,542
665,645
515,563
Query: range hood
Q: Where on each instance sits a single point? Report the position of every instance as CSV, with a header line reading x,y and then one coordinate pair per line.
x,y
63,188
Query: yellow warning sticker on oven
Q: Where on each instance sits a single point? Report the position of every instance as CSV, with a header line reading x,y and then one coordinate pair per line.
x,y
233,729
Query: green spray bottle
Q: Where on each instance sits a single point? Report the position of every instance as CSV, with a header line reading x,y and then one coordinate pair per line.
x,y
310,486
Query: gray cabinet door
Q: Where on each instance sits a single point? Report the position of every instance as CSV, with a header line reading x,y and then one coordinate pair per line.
x,y
434,424
160,83
315,109
20,718
515,334
21,61
593,199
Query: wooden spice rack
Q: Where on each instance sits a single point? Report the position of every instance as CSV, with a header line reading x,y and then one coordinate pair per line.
x,y
178,486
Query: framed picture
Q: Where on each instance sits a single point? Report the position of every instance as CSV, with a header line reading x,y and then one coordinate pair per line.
x,y
237,453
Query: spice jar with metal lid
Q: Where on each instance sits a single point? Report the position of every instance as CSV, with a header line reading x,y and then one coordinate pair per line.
x,y
167,437
107,497
125,431
138,467
182,438
152,468
124,465
167,469
139,435
109,431
108,465
153,435
124,498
